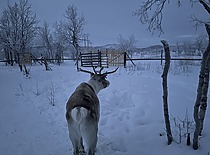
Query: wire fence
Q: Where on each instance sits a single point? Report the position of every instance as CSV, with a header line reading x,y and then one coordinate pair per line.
x,y
133,60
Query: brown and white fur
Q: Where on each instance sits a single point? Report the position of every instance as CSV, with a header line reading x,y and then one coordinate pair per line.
x,y
83,112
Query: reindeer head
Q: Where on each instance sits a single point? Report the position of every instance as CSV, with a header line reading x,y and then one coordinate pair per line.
x,y
98,80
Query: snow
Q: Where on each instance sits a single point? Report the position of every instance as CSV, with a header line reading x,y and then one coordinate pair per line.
x,y
131,119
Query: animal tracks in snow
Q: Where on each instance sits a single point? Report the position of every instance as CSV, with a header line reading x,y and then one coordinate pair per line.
x,y
107,145
125,101
121,122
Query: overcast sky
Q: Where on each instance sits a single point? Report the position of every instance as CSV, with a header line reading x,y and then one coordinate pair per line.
x,y
107,19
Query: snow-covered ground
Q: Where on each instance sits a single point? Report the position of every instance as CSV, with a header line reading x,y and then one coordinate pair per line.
x,y
131,121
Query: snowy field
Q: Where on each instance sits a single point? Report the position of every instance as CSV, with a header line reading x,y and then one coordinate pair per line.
x,y
131,121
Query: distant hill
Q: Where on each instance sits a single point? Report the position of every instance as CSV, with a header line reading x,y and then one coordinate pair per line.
x,y
116,47
108,46
153,47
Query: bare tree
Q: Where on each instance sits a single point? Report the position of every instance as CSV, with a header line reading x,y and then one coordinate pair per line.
x,y
74,27
4,32
155,21
178,48
59,39
127,45
188,49
17,28
46,40
201,43
9,31
59,32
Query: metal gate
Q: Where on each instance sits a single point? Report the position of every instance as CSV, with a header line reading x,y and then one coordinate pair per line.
x,y
117,58
94,59
103,59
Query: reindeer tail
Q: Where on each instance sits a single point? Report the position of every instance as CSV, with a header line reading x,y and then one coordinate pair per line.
x,y
78,114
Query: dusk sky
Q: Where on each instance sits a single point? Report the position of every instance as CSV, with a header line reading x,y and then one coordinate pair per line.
x,y
107,19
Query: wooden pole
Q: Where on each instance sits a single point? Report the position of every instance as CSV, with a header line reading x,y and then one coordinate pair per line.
x,y
165,91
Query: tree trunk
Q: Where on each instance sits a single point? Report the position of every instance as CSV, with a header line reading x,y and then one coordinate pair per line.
x,y
76,46
165,91
26,70
11,58
202,91
7,56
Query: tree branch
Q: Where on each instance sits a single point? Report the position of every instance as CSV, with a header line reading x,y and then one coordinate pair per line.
x,y
205,5
155,21
197,21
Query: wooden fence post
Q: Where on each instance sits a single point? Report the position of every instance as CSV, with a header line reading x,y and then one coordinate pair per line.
x,y
125,59
165,91
99,58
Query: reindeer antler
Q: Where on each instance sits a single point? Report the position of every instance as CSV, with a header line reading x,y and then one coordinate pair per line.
x,y
106,73
98,72
86,71
94,69
101,70
92,73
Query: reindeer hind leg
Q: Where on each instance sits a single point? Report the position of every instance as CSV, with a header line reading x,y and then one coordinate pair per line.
x,y
74,136
81,147
89,133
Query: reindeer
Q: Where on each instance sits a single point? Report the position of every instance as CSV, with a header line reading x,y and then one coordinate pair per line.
x,y
83,112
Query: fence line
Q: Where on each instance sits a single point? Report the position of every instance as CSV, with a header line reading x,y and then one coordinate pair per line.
x,y
39,59
133,59
138,59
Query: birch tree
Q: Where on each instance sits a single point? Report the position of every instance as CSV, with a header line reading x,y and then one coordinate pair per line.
x,y
28,25
9,32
